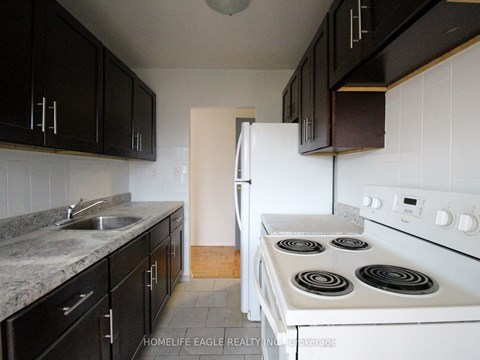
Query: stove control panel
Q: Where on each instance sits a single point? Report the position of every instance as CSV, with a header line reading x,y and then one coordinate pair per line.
x,y
409,205
447,218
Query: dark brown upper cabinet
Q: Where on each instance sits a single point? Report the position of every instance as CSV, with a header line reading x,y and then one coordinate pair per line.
x,y
377,42
51,78
16,77
118,120
345,38
315,127
144,115
129,123
290,100
68,73
335,122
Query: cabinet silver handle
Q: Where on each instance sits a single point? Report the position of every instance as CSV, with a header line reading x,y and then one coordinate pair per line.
x,y
173,253
43,105
54,108
309,130
150,285
156,272
140,142
178,219
359,2
110,316
68,309
136,142
351,28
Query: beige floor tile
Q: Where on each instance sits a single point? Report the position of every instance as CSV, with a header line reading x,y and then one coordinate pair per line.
x,y
165,317
233,299
211,299
178,357
224,317
164,342
222,357
206,341
244,341
182,299
249,324
226,284
200,285
189,318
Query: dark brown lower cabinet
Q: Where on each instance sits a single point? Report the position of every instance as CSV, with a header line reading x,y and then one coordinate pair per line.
x,y
160,265
176,257
105,311
86,339
129,303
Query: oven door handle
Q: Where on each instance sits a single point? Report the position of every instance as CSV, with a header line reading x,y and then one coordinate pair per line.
x,y
277,327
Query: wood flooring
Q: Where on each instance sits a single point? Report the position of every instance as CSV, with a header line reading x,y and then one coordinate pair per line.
x,y
214,262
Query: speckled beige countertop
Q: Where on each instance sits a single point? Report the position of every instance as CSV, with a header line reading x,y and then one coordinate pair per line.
x,y
301,224
36,263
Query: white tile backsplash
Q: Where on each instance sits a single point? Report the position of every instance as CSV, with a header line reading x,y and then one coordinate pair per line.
x,y
31,181
432,134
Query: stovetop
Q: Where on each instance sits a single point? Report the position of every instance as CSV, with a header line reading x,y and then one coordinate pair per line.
x,y
454,294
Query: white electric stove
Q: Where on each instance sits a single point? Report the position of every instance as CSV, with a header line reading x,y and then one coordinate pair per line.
x,y
408,288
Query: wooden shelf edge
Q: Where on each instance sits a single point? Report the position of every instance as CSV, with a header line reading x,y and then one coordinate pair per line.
x,y
363,89
8,146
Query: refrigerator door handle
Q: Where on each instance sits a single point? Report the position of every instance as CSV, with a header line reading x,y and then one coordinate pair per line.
x,y
235,184
237,158
237,208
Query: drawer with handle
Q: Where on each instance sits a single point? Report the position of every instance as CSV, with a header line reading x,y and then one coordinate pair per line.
x,y
176,219
31,330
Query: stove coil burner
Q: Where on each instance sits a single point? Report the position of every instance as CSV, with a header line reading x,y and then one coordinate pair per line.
x,y
397,279
300,246
347,243
322,283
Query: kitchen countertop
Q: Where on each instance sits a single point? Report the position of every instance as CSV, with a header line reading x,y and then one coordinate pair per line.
x,y
34,264
303,224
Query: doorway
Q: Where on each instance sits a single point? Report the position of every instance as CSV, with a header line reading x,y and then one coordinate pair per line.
x,y
212,209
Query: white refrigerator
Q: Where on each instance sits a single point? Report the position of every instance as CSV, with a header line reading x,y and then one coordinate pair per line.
x,y
272,177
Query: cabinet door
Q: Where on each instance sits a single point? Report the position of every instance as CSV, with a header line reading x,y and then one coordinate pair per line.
x,y
160,265
286,104
290,99
320,131
306,103
144,121
86,339
16,47
345,46
294,83
130,303
385,18
73,87
176,258
118,107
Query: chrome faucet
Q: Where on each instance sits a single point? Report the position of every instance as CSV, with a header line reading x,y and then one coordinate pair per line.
x,y
71,208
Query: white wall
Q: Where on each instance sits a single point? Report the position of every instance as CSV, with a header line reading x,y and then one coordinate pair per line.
x,y
432,134
212,157
32,181
180,90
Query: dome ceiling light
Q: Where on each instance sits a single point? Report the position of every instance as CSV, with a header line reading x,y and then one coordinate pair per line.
x,y
228,7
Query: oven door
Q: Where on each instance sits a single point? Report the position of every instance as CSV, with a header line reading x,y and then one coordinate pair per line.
x,y
278,340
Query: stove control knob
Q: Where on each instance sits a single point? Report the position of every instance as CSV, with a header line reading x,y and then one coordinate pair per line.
x,y
376,203
367,201
468,223
444,218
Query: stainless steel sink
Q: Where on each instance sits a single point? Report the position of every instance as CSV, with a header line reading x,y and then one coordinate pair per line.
x,y
102,223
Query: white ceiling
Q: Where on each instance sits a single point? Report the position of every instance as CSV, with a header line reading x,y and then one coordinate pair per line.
x,y
269,34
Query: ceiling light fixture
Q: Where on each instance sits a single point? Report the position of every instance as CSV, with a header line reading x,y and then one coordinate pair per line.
x,y
228,7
